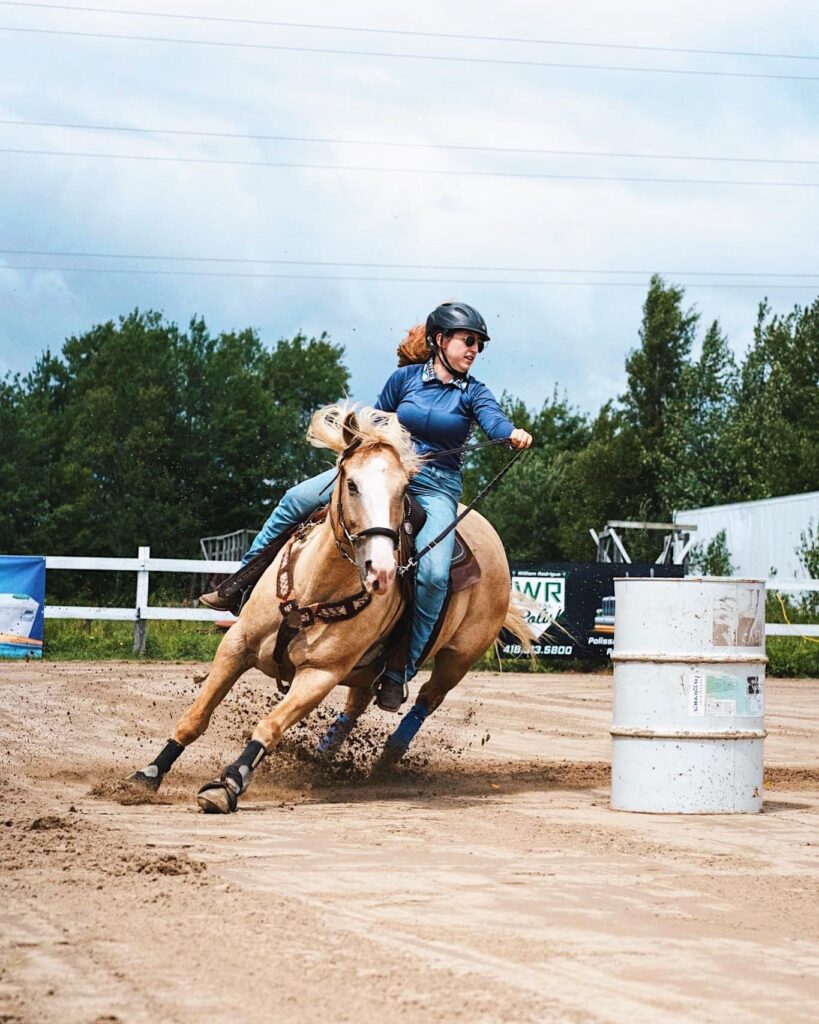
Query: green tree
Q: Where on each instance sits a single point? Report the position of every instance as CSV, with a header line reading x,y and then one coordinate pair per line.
x,y
600,482
714,559
144,434
257,404
696,461
22,493
524,507
808,552
656,375
776,433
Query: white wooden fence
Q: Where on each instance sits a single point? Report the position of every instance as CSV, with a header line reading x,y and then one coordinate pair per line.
x,y
141,612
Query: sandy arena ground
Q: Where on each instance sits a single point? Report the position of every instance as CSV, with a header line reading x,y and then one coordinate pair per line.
x,y
485,881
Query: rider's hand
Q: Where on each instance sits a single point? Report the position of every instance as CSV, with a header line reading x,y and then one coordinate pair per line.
x,y
520,438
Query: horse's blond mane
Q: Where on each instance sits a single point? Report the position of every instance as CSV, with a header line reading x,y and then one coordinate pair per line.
x,y
335,426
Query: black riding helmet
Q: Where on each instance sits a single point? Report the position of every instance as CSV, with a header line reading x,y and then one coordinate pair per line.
x,y
454,316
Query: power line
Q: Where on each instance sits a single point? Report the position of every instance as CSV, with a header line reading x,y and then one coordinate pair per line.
x,y
359,29
530,151
523,175
395,280
450,58
393,266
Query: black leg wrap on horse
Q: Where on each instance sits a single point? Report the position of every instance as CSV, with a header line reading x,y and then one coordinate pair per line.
x,y
167,756
239,773
152,775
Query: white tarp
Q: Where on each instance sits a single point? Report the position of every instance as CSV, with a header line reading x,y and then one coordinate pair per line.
x,y
762,536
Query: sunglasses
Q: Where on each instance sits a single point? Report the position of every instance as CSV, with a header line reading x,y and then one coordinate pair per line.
x,y
471,340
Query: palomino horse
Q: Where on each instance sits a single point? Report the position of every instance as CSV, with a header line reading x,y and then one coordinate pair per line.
x,y
347,562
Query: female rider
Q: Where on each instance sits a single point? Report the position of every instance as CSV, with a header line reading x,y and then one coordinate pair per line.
x,y
437,401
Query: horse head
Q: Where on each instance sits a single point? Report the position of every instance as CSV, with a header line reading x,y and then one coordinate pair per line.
x,y
376,461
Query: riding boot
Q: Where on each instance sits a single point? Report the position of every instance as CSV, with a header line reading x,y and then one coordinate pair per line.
x,y
391,692
231,594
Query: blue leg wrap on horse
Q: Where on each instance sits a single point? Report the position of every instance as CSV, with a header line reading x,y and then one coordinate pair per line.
x,y
335,734
409,726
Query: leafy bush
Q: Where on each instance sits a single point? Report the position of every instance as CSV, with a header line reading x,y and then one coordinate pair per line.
x,y
791,656
714,559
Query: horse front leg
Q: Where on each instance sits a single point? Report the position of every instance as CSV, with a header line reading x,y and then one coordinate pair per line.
x,y
310,687
230,662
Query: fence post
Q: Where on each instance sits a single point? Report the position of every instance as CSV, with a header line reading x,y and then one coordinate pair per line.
x,y
141,627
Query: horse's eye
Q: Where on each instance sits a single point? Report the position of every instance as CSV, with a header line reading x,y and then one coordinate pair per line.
x,y
352,487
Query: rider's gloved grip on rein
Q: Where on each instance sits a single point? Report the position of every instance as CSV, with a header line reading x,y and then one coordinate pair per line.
x,y
242,768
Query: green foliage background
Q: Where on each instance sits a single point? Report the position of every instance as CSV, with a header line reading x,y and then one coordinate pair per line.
x,y
140,433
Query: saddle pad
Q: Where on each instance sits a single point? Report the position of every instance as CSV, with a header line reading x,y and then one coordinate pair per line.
x,y
464,570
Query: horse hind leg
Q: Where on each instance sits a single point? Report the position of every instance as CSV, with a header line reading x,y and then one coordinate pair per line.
x,y
228,664
358,699
448,670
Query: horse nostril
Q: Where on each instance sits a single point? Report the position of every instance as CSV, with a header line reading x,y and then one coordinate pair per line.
x,y
376,585
368,564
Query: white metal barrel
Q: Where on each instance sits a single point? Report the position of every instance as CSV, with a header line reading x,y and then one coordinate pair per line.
x,y
689,695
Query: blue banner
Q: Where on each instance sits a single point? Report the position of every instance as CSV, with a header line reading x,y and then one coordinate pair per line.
x,y
22,606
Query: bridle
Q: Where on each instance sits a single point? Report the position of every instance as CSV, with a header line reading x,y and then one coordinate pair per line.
x,y
340,523
295,616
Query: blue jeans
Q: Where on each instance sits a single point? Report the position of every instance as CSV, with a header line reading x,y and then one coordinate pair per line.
x,y
438,491
297,504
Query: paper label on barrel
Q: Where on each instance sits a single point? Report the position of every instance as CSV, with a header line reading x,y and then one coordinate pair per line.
x,y
696,693
755,697
721,694
725,695
739,618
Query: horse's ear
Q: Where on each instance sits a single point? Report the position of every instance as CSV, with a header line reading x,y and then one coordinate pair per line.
x,y
349,429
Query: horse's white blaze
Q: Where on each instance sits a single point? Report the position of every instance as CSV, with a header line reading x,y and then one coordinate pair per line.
x,y
375,499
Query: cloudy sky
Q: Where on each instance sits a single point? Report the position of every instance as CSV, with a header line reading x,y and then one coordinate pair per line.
x,y
398,171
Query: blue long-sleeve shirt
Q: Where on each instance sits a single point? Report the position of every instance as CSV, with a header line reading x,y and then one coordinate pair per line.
x,y
440,416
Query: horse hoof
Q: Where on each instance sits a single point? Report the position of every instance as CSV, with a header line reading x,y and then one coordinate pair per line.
x,y
144,781
390,756
217,798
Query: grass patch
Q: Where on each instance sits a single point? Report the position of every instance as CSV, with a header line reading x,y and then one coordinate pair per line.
x,y
74,640
793,657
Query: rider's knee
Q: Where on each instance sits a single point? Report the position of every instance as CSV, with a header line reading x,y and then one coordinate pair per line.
x,y
295,500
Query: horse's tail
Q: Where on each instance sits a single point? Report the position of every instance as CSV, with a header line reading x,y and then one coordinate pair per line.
x,y
517,624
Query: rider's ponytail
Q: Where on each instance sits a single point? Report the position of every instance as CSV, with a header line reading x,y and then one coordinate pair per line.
x,y
414,348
